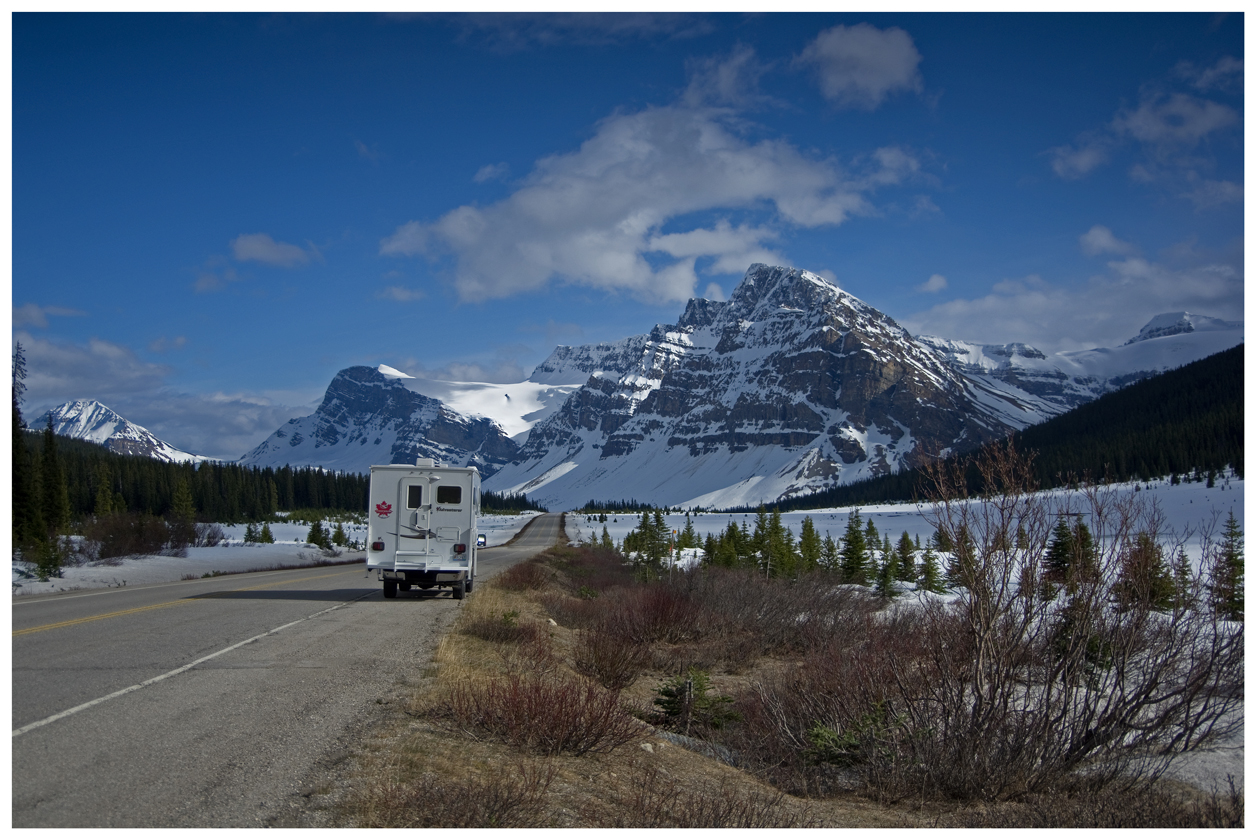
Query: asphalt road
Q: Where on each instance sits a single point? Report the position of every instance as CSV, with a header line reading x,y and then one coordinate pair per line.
x,y
212,703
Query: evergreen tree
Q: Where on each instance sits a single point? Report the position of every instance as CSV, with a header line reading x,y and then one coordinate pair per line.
x,y
56,498
1183,581
854,551
317,535
688,536
887,574
266,536
28,524
104,491
830,557
930,577
1144,578
872,538
339,537
906,560
1226,586
250,533
607,542
810,548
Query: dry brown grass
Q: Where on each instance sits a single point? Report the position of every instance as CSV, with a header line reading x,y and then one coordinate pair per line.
x,y
483,743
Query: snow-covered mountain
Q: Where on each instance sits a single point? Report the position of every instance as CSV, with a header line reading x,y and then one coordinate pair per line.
x,y
791,386
794,385
91,421
370,416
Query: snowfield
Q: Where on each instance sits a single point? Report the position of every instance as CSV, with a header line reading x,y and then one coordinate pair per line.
x,y
231,556
1187,507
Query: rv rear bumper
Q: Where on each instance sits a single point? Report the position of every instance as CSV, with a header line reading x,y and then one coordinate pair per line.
x,y
413,576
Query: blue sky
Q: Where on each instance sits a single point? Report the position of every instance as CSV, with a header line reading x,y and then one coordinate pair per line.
x,y
214,213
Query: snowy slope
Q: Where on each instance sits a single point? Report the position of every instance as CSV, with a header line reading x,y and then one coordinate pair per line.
x,y
91,421
794,385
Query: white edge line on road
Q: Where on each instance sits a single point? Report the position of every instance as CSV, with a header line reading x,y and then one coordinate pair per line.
x,y
59,715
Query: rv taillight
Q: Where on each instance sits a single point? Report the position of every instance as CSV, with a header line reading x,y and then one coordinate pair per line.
x,y
460,548
378,545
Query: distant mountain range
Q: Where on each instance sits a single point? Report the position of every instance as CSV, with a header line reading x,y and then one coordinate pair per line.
x,y
791,386
91,421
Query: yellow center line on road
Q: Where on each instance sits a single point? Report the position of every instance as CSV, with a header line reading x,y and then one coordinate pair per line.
x,y
191,600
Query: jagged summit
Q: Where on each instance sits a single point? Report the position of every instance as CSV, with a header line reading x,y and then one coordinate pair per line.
x,y
1178,323
93,421
370,416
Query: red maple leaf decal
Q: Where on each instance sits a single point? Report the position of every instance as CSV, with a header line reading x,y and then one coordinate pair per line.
x,y
383,509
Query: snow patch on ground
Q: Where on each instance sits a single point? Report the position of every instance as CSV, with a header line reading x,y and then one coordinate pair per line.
x,y
232,556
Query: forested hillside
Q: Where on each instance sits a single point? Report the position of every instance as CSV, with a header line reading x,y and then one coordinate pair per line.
x,y
1187,421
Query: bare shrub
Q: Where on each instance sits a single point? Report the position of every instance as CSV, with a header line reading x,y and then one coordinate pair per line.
x,y
529,574
544,715
1023,684
127,535
608,653
578,613
1143,807
503,797
654,801
208,534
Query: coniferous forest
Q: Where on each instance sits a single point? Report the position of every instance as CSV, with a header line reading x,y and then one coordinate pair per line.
x,y
1184,422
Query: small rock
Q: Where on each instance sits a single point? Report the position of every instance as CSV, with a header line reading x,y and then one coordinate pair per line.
x,y
553,622
648,747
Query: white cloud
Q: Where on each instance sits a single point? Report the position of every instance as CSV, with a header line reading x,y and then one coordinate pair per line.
x,y
60,371
370,152
934,284
859,66
523,30
590,216
259,247
165,345
731,81
1106,310
1226,73
1073,162
491,172
1176,120
1214,193
217,425
1100,240
37,316
401,294
714,291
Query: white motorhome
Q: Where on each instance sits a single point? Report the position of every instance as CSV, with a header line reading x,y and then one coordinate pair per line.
x,y
422,529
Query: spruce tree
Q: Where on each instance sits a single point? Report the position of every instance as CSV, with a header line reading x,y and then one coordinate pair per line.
x,y
56,499
1226,587
830,557
266,536
854,551
930,576
338,536
906,559
810,548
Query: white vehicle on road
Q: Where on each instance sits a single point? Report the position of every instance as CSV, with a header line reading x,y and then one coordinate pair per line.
x,y
422,529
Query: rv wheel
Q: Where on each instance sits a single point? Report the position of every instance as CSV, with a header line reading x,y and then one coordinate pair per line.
x,y
460,589
470,583
404,587
390,589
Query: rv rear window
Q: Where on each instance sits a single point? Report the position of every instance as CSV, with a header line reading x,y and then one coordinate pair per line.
x,y
414,496
447,495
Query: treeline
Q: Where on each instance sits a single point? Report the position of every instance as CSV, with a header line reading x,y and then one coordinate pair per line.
x,y
1184,422
503,503
95,477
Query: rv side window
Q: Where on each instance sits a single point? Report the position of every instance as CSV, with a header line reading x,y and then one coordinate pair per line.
x,y
414,497
447,495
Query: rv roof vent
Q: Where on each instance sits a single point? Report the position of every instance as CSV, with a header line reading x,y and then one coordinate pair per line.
x,y
424,462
